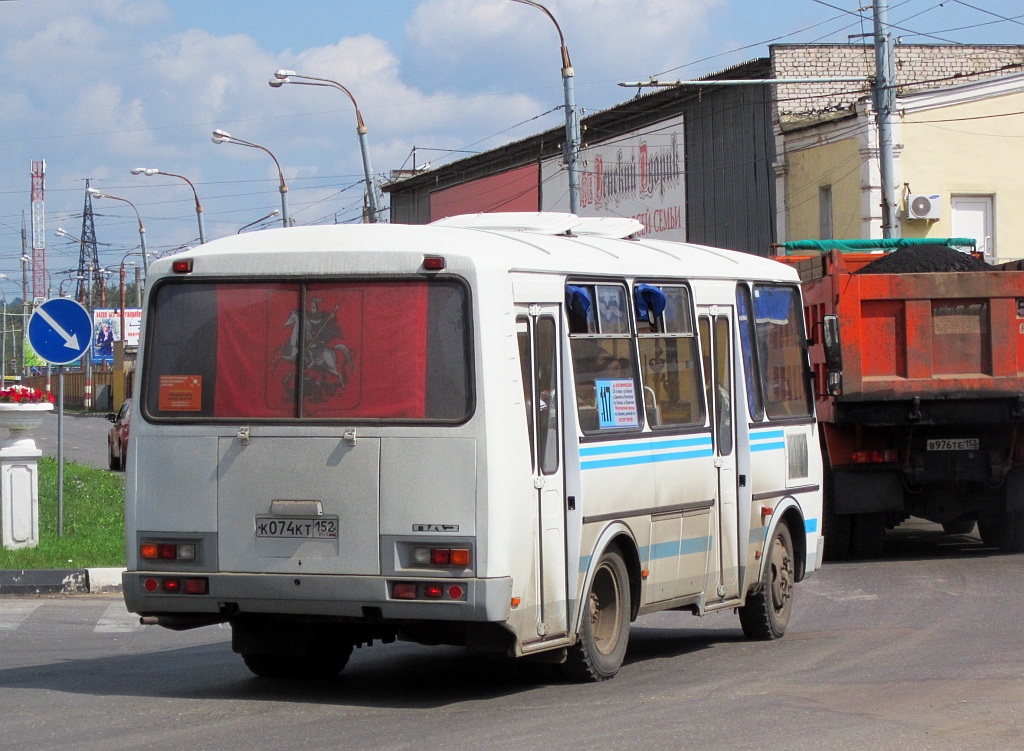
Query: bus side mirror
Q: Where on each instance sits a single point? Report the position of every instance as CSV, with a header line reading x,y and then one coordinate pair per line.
x,y
833,355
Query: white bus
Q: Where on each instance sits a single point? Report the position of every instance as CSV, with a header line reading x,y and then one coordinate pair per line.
x,y
512,432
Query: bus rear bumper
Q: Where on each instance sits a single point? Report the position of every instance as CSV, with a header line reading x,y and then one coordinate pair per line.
x,y
364,598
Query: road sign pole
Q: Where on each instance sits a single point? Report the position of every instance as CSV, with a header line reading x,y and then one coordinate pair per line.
x,y
60,451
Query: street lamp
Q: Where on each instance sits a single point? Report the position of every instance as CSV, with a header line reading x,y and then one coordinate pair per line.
x,y
282,77
272,214
572,121
142,230
150,171
219,136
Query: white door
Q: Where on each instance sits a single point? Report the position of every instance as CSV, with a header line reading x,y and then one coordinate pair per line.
x,y
715,326
971,216
538,331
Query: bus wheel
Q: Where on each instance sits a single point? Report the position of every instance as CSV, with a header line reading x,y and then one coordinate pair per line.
x,y
598,653
766,612
315,666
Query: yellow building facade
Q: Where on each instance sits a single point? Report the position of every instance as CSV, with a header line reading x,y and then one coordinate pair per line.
x,y
959,153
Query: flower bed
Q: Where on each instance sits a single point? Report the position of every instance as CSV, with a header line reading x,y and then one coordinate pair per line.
x,y
24,395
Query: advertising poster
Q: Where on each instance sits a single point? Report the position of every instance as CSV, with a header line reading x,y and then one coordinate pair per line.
x,y
106,328
639,175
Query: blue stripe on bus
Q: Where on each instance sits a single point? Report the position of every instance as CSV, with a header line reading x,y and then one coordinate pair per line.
x,y
762,434
625,461
811,525
757,535
755,447
676,548
701,441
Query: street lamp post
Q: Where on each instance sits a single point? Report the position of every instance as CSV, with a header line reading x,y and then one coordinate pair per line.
x,y
373,198
572,120
272,214
150,171
3,345
142,230
219,136
130,263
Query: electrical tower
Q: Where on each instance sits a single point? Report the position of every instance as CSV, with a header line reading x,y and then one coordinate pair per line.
x,y
88,258
38,230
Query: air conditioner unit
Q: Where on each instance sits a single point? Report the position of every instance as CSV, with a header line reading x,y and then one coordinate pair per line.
x,y
921,206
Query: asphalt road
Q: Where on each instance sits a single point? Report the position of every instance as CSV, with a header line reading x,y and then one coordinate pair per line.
x,y
84,437
919,651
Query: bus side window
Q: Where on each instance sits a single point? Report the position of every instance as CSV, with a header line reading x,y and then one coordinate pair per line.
x,y
603,358
782,351
668,357
750,371
526,367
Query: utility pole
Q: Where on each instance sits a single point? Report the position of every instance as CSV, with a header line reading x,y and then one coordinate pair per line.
x,y
884,100
25,304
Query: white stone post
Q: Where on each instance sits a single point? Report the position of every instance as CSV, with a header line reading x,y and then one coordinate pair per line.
x,y
19,475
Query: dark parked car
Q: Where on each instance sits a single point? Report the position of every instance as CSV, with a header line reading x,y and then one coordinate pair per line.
x,y
117,438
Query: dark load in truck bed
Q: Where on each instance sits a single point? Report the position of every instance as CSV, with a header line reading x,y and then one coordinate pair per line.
x,y
928,421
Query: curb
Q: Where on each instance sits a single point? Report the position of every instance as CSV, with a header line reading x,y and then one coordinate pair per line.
x,y
60,581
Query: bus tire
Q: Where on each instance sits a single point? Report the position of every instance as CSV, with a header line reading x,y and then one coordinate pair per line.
x,y
309,666
604,633
765,615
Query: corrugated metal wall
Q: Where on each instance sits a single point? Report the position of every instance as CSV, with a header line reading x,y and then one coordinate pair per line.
x,y
730,176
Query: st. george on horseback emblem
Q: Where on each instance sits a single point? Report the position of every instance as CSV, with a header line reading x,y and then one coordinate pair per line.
x,y
327,363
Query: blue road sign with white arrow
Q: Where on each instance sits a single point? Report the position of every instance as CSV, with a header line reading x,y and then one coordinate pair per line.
x,y
60,330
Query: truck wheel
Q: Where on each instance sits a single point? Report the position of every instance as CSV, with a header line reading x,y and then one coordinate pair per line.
x,y
765,614
312,666
990,530
834,527
1013,532
598,653
958,526
867,537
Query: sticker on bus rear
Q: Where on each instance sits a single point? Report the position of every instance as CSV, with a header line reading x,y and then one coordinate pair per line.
x,y
181,393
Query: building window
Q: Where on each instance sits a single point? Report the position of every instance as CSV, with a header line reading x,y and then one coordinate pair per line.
x,y
825,212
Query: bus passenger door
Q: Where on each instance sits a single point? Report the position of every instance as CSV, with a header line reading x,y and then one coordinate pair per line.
x,y
715,324
539,343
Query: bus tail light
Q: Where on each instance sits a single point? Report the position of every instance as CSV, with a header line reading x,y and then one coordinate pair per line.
x,y
456,557
427,591
433,263
172,585
167,551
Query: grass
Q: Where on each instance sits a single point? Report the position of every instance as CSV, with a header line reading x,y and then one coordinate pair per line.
x,y
93,521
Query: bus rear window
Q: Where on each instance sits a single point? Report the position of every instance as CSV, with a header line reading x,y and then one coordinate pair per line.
x,y
348,350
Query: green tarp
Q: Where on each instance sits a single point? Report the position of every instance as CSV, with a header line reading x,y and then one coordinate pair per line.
x,y
823,246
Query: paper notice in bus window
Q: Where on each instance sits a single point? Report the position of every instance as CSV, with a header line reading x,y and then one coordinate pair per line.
x,y
181,393
616,403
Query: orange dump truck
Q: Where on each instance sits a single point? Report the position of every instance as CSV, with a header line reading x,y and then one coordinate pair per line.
x,y
922,413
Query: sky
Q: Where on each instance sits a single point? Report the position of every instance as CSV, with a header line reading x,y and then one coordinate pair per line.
x,y
98,87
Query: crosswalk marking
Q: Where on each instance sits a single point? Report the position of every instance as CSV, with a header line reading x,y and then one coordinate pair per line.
x,y
13,612
117,620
